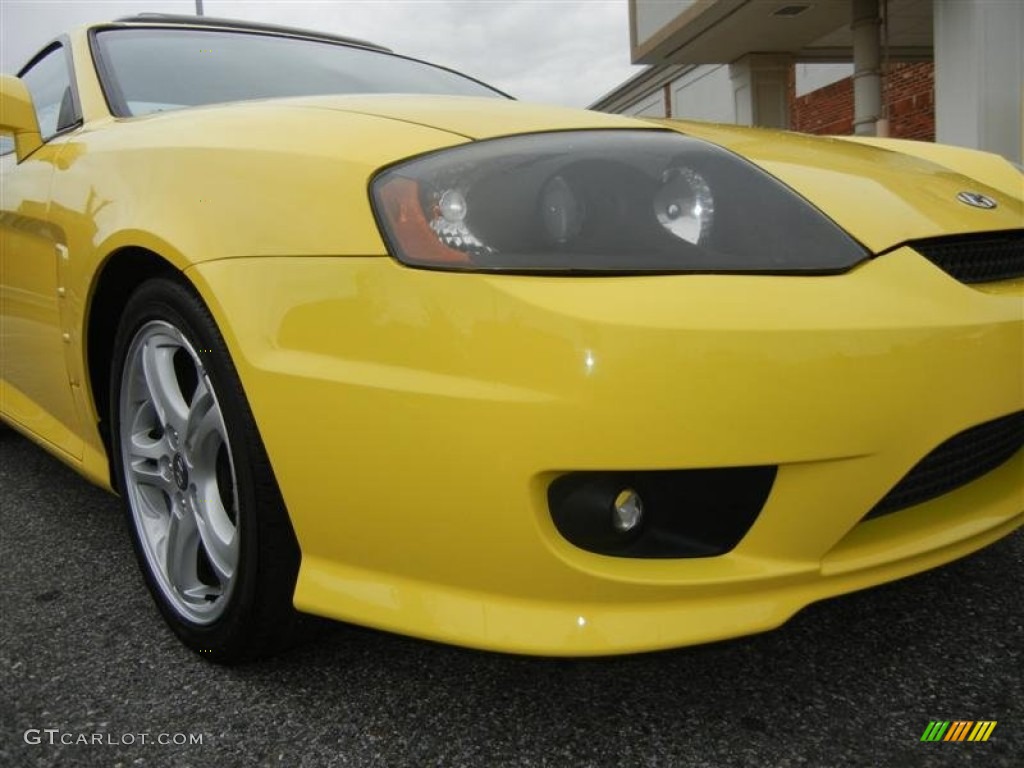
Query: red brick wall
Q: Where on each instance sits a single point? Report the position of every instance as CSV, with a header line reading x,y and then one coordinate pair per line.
x,y
910,97
826,110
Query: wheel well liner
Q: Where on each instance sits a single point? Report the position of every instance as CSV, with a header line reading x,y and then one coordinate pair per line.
x,y
124,271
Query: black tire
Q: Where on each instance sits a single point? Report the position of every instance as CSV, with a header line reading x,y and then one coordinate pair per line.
x,y
253,615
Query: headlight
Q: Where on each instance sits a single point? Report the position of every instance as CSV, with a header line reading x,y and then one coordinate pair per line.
x,y
602,201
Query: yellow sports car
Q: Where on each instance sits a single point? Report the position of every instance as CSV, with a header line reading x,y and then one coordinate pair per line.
x,y
358,336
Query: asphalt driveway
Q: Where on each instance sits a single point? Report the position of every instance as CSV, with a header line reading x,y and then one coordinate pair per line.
x,y
851,682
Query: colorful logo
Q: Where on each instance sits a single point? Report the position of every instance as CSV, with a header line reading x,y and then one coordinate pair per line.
x,y
958,730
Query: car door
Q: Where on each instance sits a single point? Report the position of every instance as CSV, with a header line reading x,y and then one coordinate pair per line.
x,y
35,390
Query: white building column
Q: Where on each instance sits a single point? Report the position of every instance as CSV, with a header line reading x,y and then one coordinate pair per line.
x,y
759,89
979,74
866,25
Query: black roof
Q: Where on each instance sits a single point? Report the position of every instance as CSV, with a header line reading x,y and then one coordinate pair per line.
x,y
220,23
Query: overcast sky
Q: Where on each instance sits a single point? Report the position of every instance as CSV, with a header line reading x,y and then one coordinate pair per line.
x,y
558,51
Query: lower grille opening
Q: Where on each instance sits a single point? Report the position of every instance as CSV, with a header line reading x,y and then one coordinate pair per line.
x,y
958,461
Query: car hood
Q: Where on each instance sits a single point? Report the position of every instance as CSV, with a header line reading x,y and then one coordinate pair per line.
x,y
881,196
470,117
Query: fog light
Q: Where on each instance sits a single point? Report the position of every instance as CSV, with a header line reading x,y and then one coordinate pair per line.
x,y
629,510
660,512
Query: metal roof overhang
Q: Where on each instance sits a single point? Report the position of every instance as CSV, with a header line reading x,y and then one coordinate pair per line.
x,y
721,31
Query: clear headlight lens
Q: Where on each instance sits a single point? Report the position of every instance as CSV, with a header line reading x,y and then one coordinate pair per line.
x,y
602,201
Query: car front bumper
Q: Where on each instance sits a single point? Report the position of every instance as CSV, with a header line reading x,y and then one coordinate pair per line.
x,y
415,420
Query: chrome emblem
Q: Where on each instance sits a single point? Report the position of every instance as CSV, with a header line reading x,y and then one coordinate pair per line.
x,y
977,200
180,472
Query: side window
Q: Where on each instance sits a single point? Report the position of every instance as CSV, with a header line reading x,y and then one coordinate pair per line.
x,y
49,82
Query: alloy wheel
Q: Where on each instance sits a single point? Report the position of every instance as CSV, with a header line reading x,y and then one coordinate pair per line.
x,y
179,474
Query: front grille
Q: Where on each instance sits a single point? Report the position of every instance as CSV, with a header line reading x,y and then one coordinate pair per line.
x,y
961,459
983,258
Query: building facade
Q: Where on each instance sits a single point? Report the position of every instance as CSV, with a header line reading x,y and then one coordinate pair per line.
x,y
946,70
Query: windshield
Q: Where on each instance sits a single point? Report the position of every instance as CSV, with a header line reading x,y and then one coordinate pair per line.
x,y
155,69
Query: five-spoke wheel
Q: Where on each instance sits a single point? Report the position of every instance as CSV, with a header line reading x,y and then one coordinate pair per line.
x,y
180,477
208,522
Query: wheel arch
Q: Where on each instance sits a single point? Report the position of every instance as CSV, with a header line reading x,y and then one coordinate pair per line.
x,y
121,273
